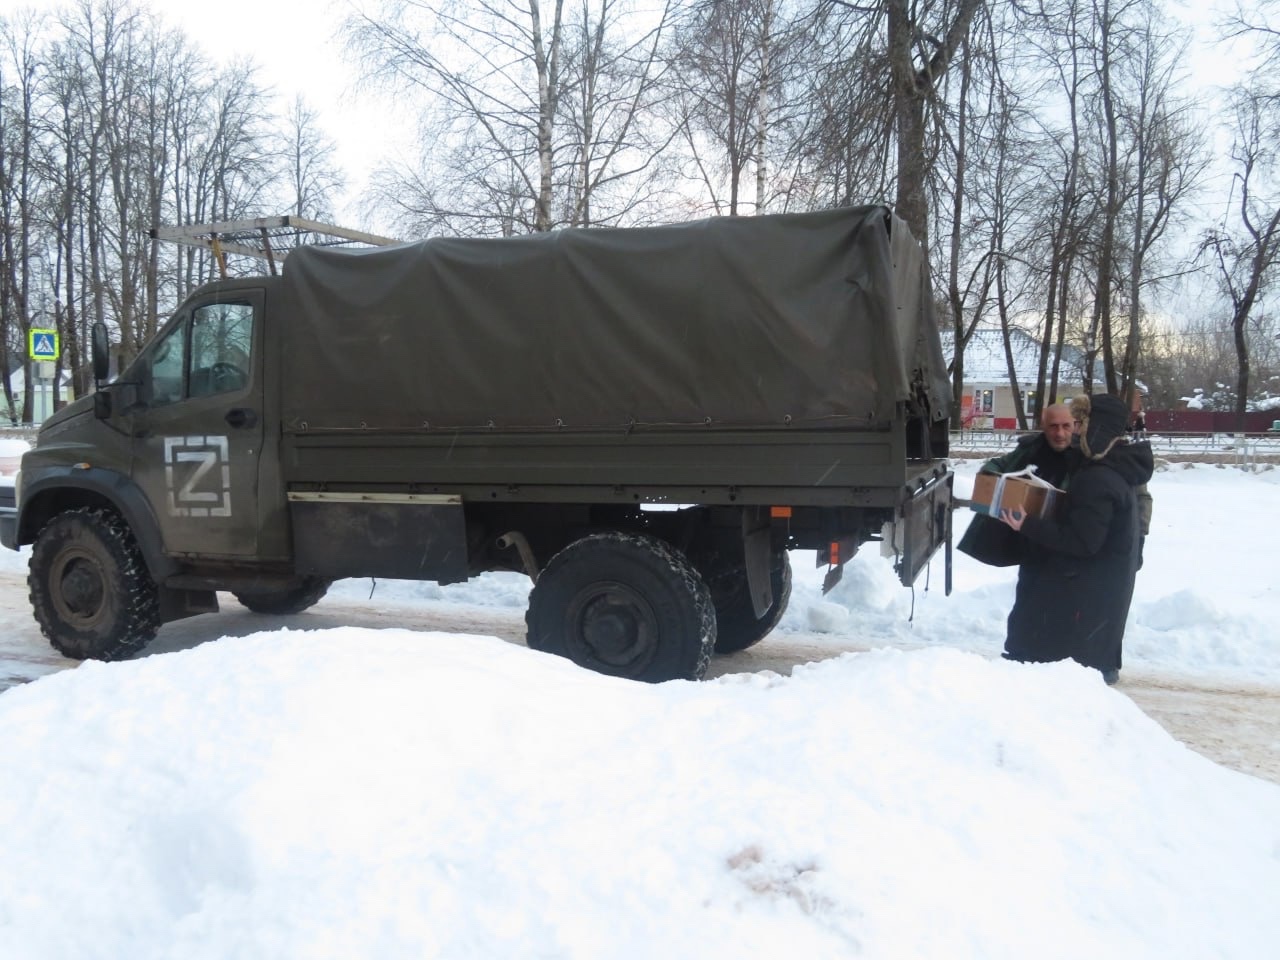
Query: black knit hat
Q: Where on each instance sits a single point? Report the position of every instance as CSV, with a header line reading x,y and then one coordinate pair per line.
x,y
1108,421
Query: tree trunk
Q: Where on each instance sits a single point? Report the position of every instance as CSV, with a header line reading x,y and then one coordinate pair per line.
x,y
547,63
1107,257
912,87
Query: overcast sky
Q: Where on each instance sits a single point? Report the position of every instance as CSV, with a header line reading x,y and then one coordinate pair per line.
x,y
295,42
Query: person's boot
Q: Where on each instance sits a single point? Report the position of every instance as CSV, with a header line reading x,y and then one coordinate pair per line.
x,y
1111,677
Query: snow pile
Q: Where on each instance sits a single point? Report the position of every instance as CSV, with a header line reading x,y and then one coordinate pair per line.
x,y
392,794
11,451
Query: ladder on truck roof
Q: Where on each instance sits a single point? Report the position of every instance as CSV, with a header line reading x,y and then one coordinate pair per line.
x,y
267,238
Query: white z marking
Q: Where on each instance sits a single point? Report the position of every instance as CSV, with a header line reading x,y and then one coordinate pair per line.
x,y
207,453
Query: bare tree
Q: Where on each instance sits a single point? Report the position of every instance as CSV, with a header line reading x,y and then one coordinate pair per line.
x,y
612,76
309,163
490,75
19,88
919,40
1246,261
842,149
732,59
971,209
1165,162
93,62
1106,22
922,39
1049,46
530,110
170,80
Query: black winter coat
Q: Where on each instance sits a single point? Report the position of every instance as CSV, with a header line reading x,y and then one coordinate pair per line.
x,y
1076,583
987,539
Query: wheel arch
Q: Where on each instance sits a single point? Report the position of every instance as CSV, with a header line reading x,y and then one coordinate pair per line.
x,y
55,491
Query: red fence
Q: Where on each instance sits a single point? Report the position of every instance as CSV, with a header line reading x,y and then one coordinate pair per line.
x,y
1207,421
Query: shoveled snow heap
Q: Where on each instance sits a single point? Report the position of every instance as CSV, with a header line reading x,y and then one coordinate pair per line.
x,y
389,794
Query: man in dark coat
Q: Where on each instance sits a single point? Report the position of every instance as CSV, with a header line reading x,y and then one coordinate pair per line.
x,y
1086,554
1051,454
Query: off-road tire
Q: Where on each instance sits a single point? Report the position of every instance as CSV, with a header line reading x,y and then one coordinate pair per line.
x,y
90,589
286,600
736,625
626,605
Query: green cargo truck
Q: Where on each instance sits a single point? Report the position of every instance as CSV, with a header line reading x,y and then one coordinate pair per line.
x,y
644,421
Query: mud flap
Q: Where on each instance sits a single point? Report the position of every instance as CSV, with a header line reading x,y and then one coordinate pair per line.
x,y
178,604
757,549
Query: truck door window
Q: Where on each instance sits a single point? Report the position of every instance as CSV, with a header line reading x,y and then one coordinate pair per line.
x,y
164,372
221,341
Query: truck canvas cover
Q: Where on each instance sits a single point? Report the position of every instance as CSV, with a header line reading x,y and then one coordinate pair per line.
x,y
813,320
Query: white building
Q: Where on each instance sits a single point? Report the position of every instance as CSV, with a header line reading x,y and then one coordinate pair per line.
x,y
988,401
42,392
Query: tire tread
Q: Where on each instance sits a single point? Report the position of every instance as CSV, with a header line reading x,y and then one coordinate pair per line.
x,y
140,606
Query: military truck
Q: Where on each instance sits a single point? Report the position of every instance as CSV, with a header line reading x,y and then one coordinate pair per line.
x,y
644,421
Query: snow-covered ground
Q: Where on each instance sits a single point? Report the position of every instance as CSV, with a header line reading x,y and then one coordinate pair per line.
x,y
360,793
1206,601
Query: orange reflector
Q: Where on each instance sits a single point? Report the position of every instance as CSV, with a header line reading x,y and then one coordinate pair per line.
x,y
835,554
780,513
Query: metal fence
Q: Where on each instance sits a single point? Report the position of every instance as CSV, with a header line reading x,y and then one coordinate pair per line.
x,y
1245,450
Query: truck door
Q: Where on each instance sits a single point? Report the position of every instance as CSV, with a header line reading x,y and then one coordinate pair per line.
x,y
198,429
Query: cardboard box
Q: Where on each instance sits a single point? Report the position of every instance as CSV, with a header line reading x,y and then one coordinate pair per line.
x,y
1021,492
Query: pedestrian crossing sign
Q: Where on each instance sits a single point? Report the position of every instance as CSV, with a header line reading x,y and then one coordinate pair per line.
x,y
43,345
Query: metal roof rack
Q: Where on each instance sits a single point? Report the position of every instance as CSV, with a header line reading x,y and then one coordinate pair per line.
x,y
267,238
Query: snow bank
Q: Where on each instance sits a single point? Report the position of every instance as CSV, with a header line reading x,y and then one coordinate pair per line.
x,y
393,794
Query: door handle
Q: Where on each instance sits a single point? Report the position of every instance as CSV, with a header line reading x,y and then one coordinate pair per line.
x,y
242,417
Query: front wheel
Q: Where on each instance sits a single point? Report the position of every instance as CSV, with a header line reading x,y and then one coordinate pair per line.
x,y
90,589
624,605
285,600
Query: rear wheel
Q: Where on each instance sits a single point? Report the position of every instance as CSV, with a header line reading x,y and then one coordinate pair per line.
x,y
625,605
285,600
90,589
736,624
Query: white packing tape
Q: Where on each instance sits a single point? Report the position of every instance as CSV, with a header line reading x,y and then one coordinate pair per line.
x,y
997,495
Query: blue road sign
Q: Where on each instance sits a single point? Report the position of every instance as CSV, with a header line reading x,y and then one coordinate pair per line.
x,y
43,345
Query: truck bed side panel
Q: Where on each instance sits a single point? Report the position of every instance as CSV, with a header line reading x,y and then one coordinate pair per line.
x,y
794,467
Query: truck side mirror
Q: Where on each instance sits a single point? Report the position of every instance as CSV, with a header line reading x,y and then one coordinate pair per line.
x,y
100,348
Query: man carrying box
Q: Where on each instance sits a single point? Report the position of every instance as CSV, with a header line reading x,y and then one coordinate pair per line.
x,y
1082,559
1049,452
988,539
